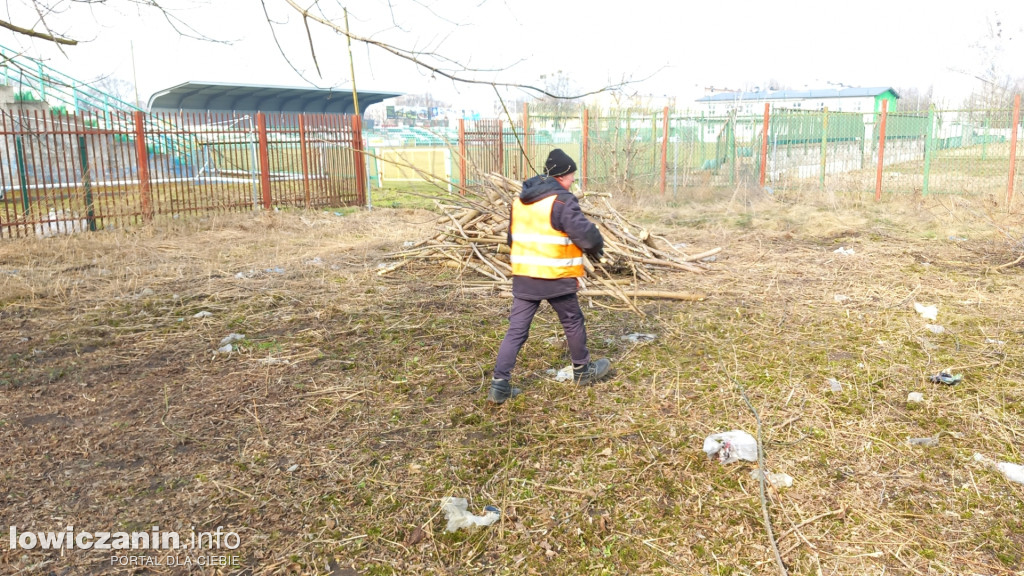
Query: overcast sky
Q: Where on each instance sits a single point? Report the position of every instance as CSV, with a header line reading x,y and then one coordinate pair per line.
x,y
665,48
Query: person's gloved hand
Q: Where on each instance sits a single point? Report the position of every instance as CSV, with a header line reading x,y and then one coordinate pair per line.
x,y
596,254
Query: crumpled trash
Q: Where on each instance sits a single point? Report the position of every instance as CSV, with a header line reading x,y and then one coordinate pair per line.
x,y
934,328
253,272
232,338
946,378
926,312
844,251
563,375
1013,472
455,511
930,441
202,314
915,397
834,385
777,479
637,337
731,446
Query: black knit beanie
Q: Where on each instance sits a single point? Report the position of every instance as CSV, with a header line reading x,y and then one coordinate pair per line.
x,y
559,163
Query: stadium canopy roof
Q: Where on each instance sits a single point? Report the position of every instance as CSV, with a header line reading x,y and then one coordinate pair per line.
x,y
219,97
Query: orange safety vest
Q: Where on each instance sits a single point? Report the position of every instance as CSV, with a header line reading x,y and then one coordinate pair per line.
x,y
538,250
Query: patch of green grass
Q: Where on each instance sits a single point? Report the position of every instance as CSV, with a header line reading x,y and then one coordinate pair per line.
x,y
412,195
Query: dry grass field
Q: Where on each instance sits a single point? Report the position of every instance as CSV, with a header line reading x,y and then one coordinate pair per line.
x,y
354,402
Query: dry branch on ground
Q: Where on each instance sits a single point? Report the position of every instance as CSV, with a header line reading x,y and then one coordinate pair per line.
x,y
471,234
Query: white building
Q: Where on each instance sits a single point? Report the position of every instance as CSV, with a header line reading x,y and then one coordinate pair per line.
x,y
862,100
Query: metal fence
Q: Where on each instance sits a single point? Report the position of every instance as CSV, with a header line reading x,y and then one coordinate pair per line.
x,y
782,151
65,173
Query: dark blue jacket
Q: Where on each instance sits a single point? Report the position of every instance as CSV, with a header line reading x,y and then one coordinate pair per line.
x,y
567,217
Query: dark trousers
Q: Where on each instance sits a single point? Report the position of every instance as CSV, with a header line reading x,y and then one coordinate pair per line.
x,y
519,319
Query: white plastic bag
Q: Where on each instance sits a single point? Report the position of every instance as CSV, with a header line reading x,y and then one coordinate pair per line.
x,y
926,312
1013,472
455,511
731,446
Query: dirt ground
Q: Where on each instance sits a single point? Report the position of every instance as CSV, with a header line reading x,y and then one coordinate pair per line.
x,y
352,403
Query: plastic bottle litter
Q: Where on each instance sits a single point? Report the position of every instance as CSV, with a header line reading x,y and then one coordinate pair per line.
x,y
455,511
777,479
1013,472
947,378
731,446
927,312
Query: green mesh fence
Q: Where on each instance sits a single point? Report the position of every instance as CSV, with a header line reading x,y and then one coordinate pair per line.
x,y
967,152
938,152
623,154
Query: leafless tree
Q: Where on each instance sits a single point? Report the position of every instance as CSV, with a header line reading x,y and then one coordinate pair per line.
x,y
316,17
914,100
430,58
997,87
44,12
560,103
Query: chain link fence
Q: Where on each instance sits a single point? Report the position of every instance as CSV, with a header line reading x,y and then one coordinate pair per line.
x,y
783,152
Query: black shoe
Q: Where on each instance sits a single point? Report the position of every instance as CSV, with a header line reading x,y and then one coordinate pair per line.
x,y
592,372
501,391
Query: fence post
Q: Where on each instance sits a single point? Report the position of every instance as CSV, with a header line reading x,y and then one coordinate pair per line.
x,y
881,150
142,157
501,148
305,158
764,144
929,136
462,156
90,208
1013,150
664,149
526,137
824,147
264,158
586,149
360,159
19,153
731,147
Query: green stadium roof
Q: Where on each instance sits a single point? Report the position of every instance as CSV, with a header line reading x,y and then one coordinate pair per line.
x,y
218,97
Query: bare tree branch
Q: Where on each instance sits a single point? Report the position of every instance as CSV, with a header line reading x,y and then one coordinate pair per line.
x,y
42,35
273,34
417,58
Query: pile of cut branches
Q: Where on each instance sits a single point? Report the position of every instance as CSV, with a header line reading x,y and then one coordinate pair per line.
x,y
471,234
